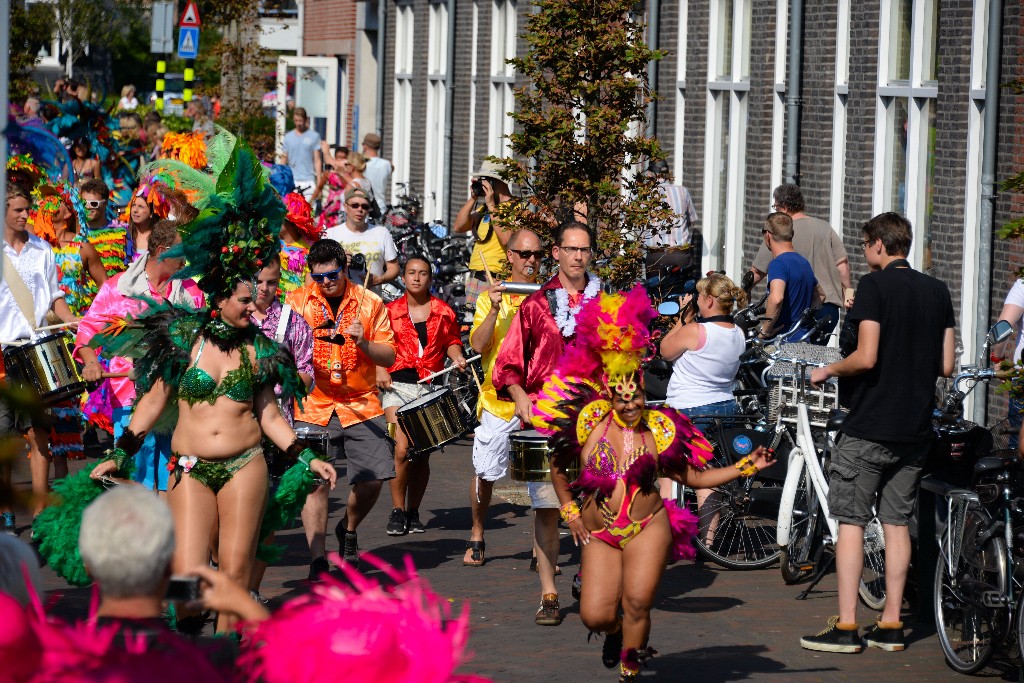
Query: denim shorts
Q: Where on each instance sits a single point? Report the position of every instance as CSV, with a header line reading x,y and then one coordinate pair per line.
x,y
710,410
862,471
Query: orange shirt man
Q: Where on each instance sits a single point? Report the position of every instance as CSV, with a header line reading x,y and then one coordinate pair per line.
x,y
352,335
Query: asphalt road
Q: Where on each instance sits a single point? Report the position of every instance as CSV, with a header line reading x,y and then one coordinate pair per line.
x,y
709,624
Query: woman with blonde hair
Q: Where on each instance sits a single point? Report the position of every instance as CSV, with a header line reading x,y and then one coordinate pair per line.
x,y
128,101
705,348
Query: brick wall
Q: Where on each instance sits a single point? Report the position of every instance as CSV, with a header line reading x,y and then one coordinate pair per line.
x,y
329,30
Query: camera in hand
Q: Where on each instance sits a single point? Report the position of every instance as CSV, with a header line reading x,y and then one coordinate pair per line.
x,y
478,188
358,262
183,589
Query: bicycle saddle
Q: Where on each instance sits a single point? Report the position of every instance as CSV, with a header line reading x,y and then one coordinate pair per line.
x,y
992,464
836,419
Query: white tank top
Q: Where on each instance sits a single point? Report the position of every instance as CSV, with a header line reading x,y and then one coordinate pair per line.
x,y
706,376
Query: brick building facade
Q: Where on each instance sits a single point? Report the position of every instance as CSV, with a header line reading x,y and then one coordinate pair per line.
x,y
891,114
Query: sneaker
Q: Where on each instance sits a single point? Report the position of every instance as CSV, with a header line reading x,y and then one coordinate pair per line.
x,y
318,567
255,595
413,525
8,526
396,523
350,548
888,637
548,614
834,639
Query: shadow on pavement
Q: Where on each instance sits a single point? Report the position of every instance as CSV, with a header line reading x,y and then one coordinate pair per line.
x,y
720,664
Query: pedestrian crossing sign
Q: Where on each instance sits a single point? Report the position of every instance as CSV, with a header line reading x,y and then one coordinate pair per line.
x,y
188,42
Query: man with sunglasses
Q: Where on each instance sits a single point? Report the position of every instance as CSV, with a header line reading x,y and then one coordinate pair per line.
x,y
352,335
532,349
497,417
109,238
358,235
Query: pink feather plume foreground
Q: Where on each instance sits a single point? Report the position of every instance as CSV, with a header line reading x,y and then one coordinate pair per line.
x,y
360,632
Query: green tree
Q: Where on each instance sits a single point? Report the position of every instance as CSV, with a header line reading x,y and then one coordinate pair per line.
x,y
83,25
30,29
579,144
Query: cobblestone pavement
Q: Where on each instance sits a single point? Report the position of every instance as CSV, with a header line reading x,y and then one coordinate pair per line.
x,y
709,624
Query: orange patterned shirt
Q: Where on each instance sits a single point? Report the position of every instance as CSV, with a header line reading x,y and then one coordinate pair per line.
x,y
353,394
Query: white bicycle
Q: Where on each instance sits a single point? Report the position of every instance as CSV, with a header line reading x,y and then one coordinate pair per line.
x,y
806,533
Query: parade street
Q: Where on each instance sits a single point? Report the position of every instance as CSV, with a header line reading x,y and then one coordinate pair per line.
x,y
709,624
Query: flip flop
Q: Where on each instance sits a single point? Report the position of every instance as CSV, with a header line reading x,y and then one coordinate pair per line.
x,y
477,556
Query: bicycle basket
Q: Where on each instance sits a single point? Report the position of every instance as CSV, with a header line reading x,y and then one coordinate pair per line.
x,y
786,393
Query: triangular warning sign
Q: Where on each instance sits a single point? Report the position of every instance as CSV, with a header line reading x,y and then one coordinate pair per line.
x,y
190,17
187,44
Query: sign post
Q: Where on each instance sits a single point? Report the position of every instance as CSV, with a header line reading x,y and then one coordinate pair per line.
x,y
188,44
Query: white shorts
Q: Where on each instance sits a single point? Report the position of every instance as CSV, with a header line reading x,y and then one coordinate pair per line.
x,y
490,445
401,393
542,495
305,188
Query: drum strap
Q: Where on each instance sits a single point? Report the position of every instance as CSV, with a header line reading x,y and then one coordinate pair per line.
x,y
282,324
19,290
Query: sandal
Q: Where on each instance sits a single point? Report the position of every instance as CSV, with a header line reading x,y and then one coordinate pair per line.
x,y
477,556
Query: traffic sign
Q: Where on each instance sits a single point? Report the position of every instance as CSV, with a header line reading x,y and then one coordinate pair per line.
x,y
188,42
190,17
162,29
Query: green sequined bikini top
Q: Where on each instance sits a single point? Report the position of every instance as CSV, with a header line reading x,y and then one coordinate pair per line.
x,y
238,385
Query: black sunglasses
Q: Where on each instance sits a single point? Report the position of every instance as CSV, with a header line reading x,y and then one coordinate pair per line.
x,y
330,275
359,205
526,253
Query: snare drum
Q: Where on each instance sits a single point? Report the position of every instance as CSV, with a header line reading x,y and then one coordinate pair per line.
x,y
432,421
319,440
531,459
46,367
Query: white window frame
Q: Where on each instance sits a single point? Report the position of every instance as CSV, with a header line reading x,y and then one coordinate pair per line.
x,y
842,90
679,140
502,77
920,96
405,53
728,237
473,73
434,161
779,100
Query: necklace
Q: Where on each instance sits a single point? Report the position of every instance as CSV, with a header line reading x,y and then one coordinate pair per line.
x,y
565,317
628,433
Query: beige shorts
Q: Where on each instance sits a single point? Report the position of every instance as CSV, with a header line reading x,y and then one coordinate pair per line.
x,y
401,393
542,495
490,445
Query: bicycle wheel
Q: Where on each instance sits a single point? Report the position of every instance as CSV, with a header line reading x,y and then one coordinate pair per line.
x,y
872,578
969,627
736,521
797,557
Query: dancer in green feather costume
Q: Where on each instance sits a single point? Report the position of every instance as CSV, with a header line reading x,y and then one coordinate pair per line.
x,y
209,377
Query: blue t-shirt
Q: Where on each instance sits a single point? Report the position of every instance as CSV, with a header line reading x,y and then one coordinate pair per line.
x,y
796,272
300,148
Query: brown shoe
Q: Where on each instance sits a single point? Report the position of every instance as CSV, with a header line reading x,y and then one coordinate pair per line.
x,y
548,614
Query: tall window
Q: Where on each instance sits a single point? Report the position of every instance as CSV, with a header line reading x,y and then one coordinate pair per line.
x,y
905,117
842,89
405,20
437,90
502,103
725,143
680,129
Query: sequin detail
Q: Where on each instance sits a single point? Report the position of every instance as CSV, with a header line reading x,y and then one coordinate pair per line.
x,y
197,386
213,474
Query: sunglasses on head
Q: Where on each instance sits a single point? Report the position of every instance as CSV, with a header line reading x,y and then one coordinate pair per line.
x,y
526,253
359,205
93,203
330,275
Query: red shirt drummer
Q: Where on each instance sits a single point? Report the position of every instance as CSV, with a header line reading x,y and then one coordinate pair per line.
x,y
425,333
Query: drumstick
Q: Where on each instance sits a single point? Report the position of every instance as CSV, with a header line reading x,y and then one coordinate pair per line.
x,y
110,375
58,326
447,370
476,378
487,271
366,282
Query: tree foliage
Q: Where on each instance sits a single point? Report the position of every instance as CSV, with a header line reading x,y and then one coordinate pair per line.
x,y
30,30
580,131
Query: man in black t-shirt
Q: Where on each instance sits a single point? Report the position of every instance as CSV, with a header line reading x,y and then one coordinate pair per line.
x,y
905,342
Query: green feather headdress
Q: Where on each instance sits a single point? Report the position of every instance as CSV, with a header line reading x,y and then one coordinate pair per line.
x,y
239,223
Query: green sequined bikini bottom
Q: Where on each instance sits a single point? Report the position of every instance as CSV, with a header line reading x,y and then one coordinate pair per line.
x,y
213,474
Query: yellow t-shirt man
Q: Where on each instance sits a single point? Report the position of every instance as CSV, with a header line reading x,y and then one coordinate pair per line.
x,y
510,303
